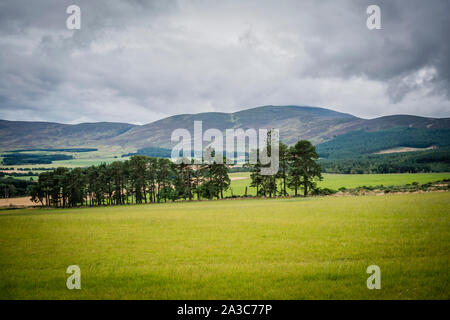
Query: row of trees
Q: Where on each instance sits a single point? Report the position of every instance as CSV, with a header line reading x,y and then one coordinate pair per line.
x,y
298,170
139,180
10,187
143,179
405,162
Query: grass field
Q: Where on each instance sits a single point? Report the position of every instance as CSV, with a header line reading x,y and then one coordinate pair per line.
x,y
23,178
85,162
72,163
336,181
81,159
233,249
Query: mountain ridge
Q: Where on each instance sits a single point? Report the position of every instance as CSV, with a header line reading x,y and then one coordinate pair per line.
x,y
295,122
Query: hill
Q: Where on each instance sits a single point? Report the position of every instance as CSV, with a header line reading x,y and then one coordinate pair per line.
x,y
295,122
387,151
360,142
30,135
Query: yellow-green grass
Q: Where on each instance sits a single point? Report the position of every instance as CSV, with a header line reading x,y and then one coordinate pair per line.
x,y
25,178
233,249
336,181
73,163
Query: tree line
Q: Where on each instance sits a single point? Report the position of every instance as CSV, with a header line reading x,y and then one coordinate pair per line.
x,y
143,179
10,187
405,162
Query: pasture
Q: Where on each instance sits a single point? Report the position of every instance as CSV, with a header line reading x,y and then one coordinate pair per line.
x,y
80,159
313,248
336,181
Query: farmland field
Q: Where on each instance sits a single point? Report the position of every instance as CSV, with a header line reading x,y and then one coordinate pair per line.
x,y
232,249
25,178
80,159
84,162
336,181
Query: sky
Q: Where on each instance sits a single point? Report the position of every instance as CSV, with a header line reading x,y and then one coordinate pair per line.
x,y
139,61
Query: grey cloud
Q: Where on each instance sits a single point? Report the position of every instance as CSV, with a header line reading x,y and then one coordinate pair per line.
x,y
413,37
139,61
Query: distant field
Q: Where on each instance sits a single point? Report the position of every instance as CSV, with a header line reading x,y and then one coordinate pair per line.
x,y
81,162
85,162
16,202
336,181
35,178
81,159
404,149
237,249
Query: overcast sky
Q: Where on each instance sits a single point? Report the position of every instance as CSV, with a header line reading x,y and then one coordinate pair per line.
x,y
139,61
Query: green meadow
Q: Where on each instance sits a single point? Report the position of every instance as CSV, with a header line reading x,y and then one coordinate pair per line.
x,y
336,181
34,178
296,248
85,162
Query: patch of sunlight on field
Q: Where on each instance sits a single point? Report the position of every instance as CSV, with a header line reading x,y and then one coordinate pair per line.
x,y
336,181
232,249
26,178
86,162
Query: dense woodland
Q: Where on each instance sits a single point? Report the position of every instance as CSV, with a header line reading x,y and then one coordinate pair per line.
x,y
19,156
143,179
10,187
353,152
151,152
10,159
357,143
406,162
57,150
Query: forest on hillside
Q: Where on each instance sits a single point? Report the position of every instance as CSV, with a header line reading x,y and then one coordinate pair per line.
x,y
355,152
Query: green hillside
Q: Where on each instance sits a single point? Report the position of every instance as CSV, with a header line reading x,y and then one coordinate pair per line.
x,y
357,143
354,152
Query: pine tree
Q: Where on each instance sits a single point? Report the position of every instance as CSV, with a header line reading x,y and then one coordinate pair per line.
x,y
304,169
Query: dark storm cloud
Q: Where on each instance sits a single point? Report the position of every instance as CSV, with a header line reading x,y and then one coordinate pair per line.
x,y
138,61
411,51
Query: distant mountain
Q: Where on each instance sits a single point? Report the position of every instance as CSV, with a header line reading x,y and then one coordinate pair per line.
x,y
26,134
295,123
399,121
